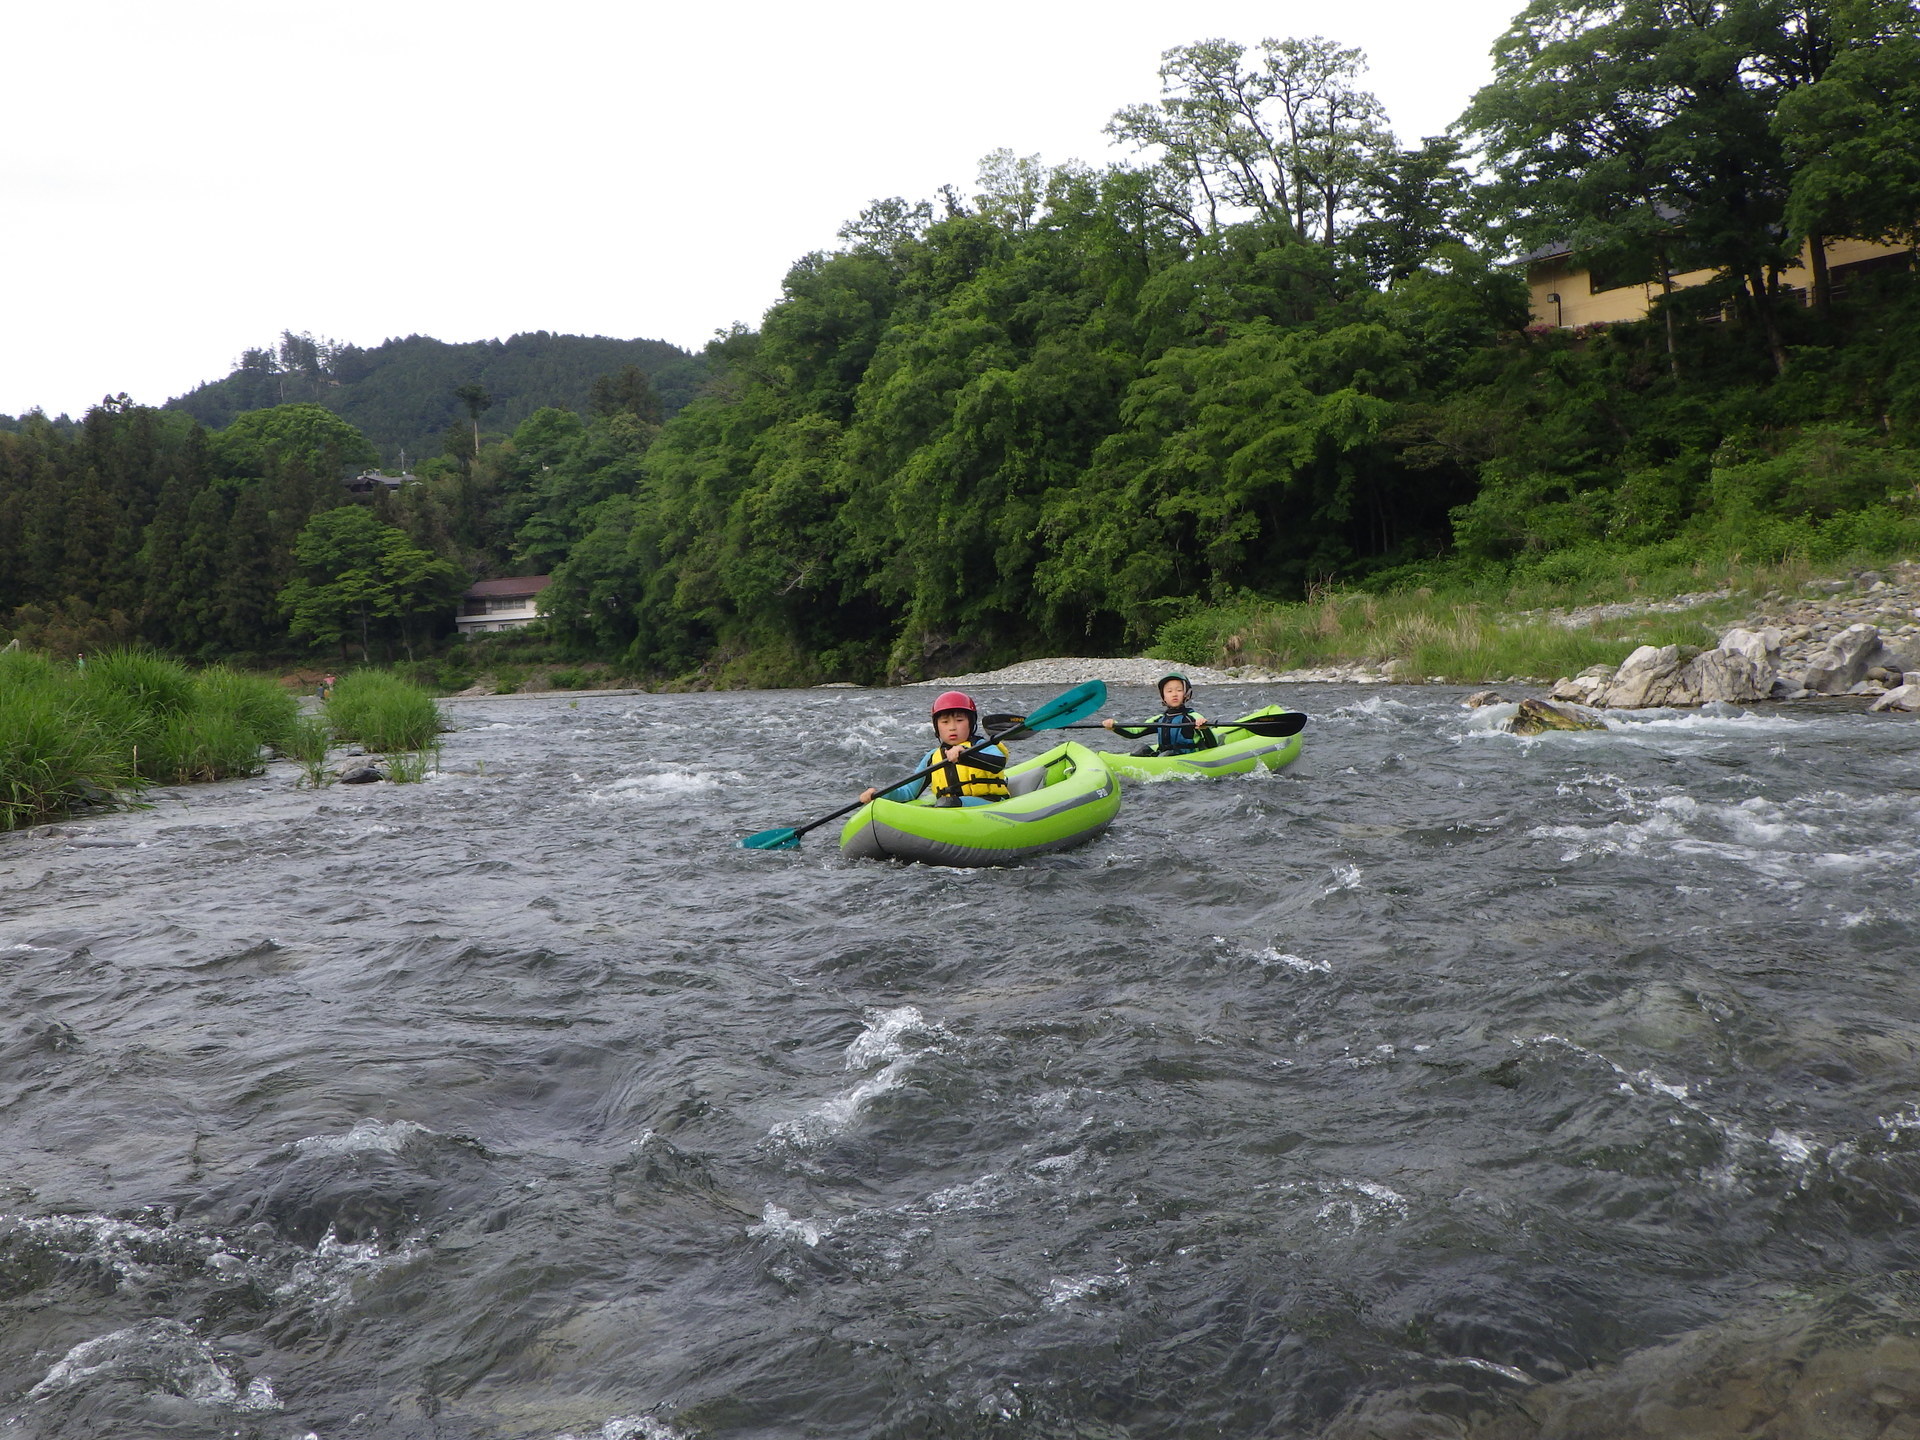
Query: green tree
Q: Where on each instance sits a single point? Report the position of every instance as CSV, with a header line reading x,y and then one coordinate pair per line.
x,y
1854,137
629,392
474,396
354,571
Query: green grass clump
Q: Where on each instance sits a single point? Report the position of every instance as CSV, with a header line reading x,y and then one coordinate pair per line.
x,y
72,737
265,708
382,712
53,758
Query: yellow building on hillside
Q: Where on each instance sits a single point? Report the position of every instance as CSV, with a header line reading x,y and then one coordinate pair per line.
x,y
1568,295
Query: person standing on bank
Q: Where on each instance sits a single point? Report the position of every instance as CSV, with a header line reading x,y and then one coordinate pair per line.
x,y
978,779
1177,730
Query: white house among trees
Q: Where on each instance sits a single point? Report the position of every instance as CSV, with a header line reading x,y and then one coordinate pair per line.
x,y
500,604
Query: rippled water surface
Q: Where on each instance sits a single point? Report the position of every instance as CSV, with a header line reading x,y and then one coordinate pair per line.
x,y
520,1103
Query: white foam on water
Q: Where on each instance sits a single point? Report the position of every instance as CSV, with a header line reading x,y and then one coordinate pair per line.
x,y
886,1034
778,1224
1345,877
887,1042
1351,1205
669,783
1273,956
336,1266
1377,707
163,1352
1474,1362
631,1427
1064,1290
387,1136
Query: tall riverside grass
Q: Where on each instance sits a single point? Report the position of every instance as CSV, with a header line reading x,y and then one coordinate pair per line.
x,y
71,737
382,712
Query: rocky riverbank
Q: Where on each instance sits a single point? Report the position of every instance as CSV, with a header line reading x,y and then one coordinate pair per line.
x,y
1859,636
1142,670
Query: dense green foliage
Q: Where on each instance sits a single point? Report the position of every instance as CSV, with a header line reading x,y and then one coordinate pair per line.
x,y
402,394
72,736
1273,349
382,712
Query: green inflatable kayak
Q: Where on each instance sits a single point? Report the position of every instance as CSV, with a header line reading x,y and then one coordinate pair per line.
x,y
1234,755
1061,799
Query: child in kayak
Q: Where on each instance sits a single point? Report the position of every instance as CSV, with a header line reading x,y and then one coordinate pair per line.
x,y
1177,729
976,780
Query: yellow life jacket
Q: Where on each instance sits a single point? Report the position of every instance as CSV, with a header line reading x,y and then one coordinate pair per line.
x,y
969,777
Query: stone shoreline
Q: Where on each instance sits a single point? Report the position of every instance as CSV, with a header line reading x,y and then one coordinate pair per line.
x,y
1141,670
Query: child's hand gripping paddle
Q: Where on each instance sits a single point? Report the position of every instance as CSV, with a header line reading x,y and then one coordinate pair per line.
x,y
1274,727
1058,713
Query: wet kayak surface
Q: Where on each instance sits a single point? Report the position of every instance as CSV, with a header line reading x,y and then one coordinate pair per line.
x,y
1428,1074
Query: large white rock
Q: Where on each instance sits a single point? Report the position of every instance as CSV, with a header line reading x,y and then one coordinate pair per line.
x,y
1904,697
1666,675
1726,675
1644,675
1843,661
1760,646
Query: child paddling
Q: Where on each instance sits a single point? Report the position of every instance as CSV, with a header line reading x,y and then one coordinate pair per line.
x,y
1177,729
979,779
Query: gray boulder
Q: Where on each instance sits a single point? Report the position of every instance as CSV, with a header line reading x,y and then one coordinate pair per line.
x,y
1843,661
1905,697
1483,697
1653,676
1644,678
1760,646
360,772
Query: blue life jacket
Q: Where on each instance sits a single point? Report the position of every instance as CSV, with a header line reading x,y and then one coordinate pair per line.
x,y
1176,734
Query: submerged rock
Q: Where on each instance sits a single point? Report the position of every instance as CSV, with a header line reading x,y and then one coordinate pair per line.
x,y
1536,717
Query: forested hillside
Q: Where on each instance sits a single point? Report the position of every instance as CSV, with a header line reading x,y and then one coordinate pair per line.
x,y
403,395
1271,349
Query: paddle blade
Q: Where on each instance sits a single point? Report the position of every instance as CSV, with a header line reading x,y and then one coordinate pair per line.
x,y
785,838
1275,727
1007,727
1075,704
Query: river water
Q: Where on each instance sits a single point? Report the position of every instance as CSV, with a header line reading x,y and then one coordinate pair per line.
x,y
1446,1083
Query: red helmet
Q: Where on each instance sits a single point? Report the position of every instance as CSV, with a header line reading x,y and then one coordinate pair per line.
x,y
954,700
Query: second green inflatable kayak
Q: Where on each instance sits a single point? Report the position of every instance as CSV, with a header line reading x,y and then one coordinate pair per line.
x,y
1061,798
1236,754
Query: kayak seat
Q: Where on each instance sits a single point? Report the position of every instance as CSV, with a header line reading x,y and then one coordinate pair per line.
x,y
1026,782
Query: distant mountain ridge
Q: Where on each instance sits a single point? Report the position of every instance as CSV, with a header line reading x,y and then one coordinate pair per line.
x,y
401,394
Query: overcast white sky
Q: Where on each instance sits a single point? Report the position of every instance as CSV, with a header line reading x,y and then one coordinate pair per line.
x,y
180,181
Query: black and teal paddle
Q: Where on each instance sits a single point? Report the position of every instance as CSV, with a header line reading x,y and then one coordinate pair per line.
x,y
1273,727
1058,713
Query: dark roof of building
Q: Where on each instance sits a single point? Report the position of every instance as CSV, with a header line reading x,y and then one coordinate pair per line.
x,y
505,589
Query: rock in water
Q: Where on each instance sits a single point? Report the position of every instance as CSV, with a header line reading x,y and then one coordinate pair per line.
x,y
360,772
1732,676
1644,678
1843,661
1669,675
1536,717
1903,697
1484,697
1586,688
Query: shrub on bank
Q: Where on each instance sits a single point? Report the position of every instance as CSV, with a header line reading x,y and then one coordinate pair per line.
x,y
382,712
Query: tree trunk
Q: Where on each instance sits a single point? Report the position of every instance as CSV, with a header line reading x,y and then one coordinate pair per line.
x,y
1822,281
1666,311
1769,323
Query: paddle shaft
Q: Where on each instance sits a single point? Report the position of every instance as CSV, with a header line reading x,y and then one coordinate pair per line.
x,y
971,751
